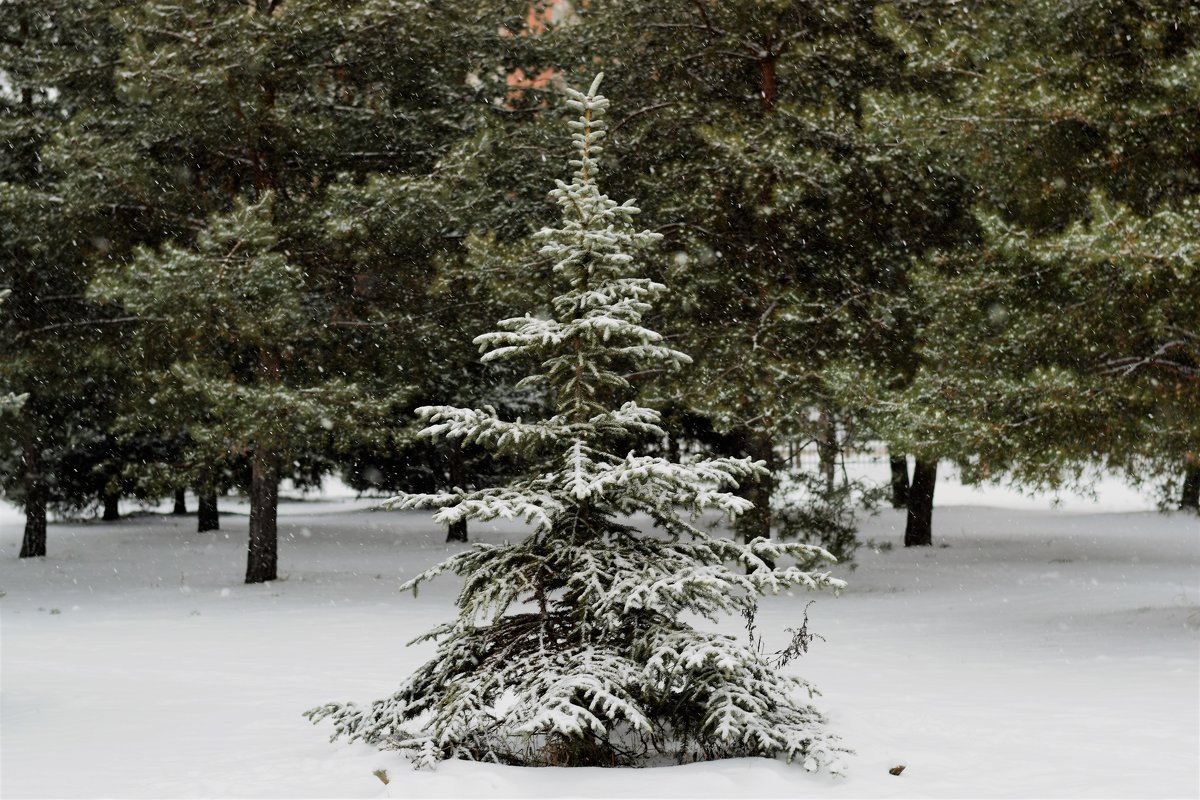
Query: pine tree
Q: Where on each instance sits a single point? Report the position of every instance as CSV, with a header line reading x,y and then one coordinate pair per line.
x,y
580,624
232,310
1064,336
339,109
790,217
436,235
50,335
316,105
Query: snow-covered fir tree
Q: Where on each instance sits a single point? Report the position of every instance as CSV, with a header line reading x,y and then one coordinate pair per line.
x,y
573,646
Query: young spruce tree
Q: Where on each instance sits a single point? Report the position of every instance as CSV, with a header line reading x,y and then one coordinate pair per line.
x,y
570,647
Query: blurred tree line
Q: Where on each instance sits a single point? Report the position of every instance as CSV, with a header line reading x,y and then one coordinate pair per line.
x,y
243,241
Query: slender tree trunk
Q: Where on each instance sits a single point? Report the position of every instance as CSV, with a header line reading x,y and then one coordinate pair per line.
x,y
827,448
207,518
263,555
33,544
768,77
758,444
918,532
457,531
180,503
26,310
112,507
1191,490
899,465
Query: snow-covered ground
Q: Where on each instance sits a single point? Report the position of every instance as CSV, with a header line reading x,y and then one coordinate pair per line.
x,y
1037,653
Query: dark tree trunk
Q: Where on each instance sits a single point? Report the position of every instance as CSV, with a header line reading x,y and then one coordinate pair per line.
x,y
457,532
757,444
34,543
112,508
180,503
1191,490
899,466
757,521
206,512
827,450
918,532
768,77
263,555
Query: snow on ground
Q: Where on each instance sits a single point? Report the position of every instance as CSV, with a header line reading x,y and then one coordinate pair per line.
x,y
1037,653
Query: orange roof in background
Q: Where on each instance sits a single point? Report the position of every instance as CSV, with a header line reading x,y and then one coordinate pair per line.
x,y
542,15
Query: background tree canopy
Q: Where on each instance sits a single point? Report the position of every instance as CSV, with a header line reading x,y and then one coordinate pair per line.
x,y
244,242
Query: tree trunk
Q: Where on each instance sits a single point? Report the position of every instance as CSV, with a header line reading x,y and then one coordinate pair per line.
x,y
757,521
758,444
899,466
180,503
1191,490
827,450
112,508
206,512
768,77
457,531
34,543
263,555
918,532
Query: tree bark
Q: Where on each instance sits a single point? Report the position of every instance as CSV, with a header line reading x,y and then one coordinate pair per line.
x,y
457,532
827,450
263,554
899,465
27,311
1190,498
207,518
918,532
33,545
757,521
757,443
180,503
768,77
112,508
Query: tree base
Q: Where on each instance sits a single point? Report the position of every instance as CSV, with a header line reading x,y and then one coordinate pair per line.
x,y
112,510
918,529
180,508
33,544
900,485
262,556
457,532
207,517
1190,497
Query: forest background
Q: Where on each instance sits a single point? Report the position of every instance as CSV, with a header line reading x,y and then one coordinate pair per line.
x,y
243,242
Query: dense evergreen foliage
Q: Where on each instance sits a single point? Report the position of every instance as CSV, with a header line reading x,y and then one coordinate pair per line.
x,y
247,242
56,348
965,231
1064,336
791,218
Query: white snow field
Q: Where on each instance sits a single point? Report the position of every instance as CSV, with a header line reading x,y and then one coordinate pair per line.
x,y
1039,653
